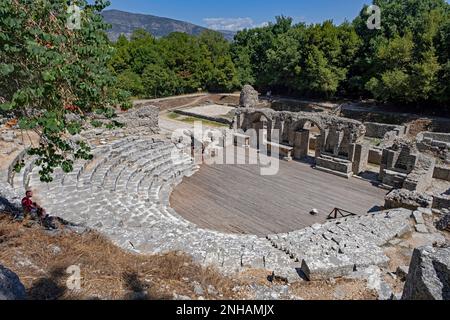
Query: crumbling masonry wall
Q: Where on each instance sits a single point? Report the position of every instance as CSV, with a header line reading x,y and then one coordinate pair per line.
x,y
339,148
436,144
379,130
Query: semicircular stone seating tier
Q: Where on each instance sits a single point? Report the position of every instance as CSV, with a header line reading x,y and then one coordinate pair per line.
x,y
124,193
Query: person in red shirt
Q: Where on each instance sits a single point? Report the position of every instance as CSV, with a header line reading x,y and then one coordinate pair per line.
x,y
32,208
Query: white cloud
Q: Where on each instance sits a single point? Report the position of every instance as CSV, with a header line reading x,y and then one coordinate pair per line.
x,y
231,24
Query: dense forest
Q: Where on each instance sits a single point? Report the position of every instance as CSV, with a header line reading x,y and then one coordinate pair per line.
x,y
405,62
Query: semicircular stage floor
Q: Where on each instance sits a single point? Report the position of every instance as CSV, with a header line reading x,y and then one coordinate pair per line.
x,y
237,199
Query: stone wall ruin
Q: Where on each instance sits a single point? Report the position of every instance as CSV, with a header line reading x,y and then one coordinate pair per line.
x,y
379,130
339,145
249,97
436,144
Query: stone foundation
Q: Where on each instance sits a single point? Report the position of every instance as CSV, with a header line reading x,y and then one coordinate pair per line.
x,y
393,179
375,156
336,166
338,248
379,130
421,177
441,202
442,173
143,118
359,155
401,198
437,144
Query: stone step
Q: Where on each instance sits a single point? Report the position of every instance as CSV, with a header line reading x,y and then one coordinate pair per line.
x,y
111,177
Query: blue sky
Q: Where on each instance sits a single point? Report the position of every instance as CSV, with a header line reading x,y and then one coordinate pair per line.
x,y
235,14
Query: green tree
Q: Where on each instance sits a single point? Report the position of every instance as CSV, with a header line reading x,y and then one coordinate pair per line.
x,y
48,70
404,61
223,76
131,82
159,81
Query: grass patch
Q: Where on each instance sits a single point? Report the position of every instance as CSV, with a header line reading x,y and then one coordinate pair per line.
x,y
173,115
376,141
192,120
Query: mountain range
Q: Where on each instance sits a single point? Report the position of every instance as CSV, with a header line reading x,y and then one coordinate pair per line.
x,y
126,22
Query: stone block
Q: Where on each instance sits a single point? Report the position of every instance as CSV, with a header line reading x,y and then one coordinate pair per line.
x,y
426,211
375,156
401,198
444,222
334,165
325,267
429,275
441,201
10,286
249,97
421,176
360,158
421,228
402,272
442,173
379,130
418,217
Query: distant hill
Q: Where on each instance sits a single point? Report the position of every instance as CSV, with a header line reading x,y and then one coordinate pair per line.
x,y
125,23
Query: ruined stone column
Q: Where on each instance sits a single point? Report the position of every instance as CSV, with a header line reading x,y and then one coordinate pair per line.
x,y
359,155
301,144
320,143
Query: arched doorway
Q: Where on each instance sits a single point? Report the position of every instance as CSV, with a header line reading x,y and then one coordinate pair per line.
x,y
261,126
304,136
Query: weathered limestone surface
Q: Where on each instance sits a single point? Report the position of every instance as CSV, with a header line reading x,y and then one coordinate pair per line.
x,y
429,275
375,156
141,118
412,200
359,155
441,201
444,221
10,286
442,173
337,248
340,138
397,162
10,201
421,177
249,97
437,144
124,193
379,130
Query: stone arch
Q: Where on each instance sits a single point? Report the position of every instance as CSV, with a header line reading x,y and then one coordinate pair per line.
x,y
245,119
262,124
299,136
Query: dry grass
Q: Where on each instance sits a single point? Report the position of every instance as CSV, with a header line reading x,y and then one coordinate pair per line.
x,y
108,272
41,259
340,289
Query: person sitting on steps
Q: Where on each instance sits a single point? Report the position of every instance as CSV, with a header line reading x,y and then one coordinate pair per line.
x,y
32,209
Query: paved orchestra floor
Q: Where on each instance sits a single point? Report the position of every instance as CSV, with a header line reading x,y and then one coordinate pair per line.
x,y
237,199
